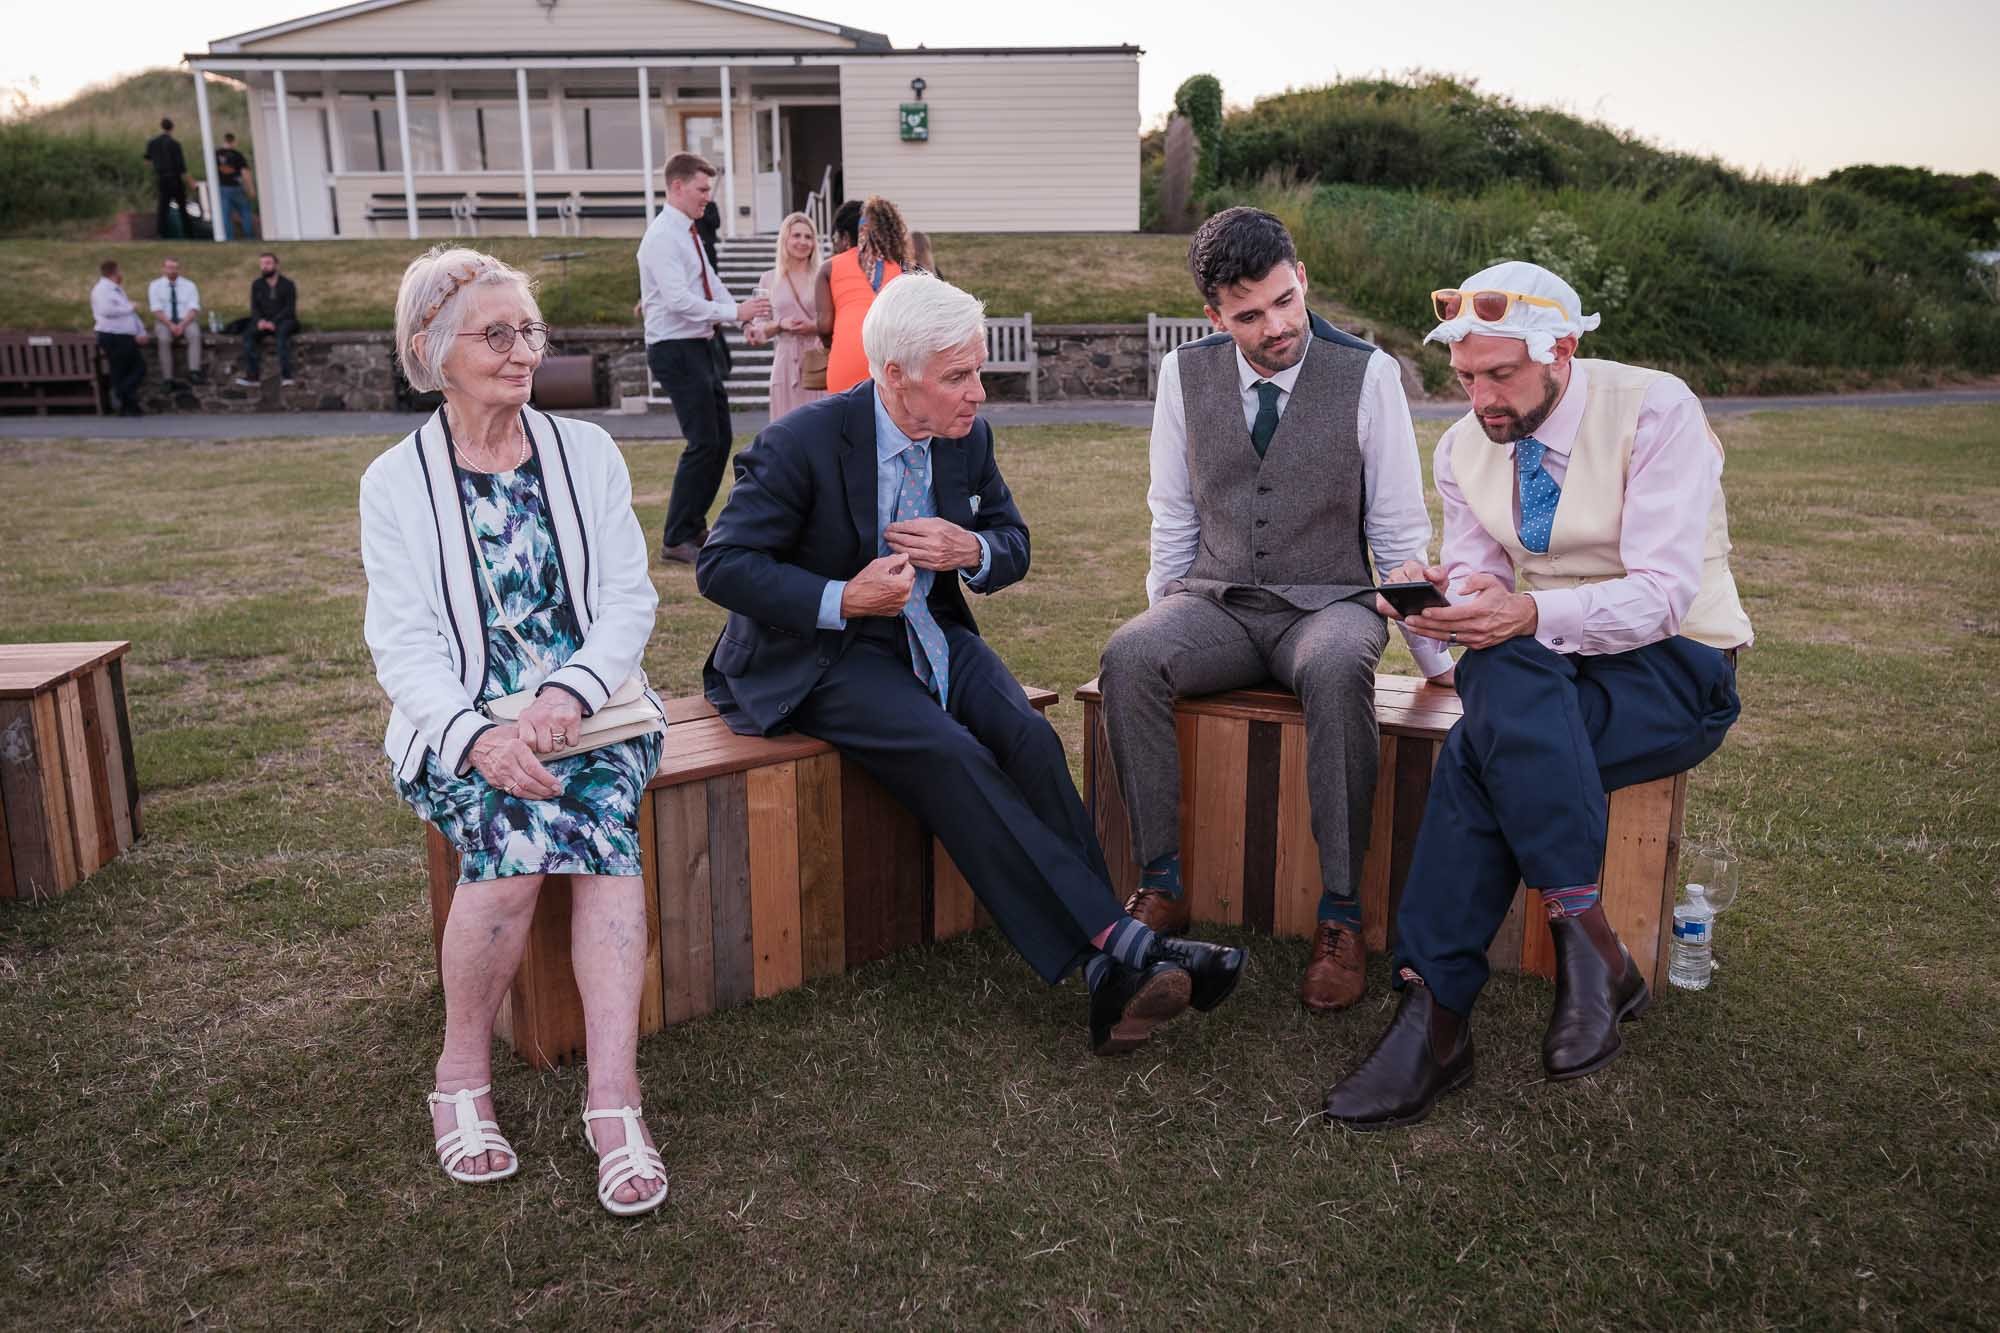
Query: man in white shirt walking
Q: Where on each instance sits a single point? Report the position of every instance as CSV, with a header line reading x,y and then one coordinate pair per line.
x,y
1282,456
176,304
119,334
685,304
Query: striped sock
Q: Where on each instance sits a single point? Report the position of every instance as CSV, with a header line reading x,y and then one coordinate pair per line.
x,y
1128,942
1096,970
1572,901
1342,911
1163,873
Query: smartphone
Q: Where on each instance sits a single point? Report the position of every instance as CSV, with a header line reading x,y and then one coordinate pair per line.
x,y
1410,598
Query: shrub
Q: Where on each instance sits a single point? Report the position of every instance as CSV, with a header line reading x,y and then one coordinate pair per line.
x,y
58,177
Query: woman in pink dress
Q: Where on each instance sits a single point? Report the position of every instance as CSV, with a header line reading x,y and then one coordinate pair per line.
x,y
793,325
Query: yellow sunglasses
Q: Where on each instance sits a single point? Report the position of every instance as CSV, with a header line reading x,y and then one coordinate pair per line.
x,y
1488,306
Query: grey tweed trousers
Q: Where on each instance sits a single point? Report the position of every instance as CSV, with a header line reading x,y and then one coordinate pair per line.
x,y
1189,644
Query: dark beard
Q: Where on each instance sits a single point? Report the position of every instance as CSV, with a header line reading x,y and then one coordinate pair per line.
x,y
1519,427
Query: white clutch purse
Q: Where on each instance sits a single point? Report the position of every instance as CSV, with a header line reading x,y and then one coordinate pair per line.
x,y
627,713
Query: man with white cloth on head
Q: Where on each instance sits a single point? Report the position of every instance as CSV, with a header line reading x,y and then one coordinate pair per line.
x,y
1586,560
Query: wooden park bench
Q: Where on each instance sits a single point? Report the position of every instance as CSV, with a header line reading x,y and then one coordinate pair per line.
x,y
1010,350
768,861
1249,858
69,795
44,370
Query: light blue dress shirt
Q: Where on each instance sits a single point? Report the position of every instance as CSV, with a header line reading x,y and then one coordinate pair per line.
x,y
889,445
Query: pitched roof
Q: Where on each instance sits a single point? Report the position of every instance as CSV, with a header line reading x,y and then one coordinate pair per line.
x,y
233,45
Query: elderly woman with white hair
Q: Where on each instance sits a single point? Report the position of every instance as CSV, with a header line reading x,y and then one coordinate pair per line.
x,y
856,525
508,607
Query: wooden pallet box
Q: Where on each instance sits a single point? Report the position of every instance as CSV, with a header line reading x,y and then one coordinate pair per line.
x,y
69,794
768,862
1249,858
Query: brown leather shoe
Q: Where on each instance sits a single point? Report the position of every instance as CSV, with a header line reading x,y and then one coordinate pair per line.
x,y
1338,971
1161,913
1597,988
685,552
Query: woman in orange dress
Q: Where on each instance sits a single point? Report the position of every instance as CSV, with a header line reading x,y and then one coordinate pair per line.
x,y
847,284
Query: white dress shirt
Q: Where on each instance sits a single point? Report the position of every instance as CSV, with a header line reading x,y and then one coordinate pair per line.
x,y
1395,522
186,291
111,310
1670,486
672,264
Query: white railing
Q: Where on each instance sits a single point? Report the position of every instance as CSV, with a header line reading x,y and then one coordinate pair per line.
x,y
819,207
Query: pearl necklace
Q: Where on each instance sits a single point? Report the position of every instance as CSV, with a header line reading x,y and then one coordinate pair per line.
x,y
519,460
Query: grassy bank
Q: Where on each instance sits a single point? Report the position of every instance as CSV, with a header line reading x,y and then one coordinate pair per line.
x,y
352,284
212,1054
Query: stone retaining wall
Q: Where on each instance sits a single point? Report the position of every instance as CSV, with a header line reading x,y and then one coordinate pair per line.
x,y
354,372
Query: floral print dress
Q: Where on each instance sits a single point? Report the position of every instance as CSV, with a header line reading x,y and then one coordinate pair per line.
x,y
592,827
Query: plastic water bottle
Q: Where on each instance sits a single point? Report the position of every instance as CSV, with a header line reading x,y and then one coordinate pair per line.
x,y
1691,960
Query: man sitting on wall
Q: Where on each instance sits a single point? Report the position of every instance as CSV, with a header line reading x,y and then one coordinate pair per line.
x,y
274,310
842,556
1586,556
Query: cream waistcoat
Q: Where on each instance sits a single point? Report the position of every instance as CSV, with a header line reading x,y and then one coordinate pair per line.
x,y
1583,546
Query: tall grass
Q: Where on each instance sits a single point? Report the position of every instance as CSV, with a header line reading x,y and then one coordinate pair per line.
x,y
1691,278
80,161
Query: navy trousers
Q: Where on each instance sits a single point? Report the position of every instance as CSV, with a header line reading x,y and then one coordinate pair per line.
x,y
692,372
987,774
1518,794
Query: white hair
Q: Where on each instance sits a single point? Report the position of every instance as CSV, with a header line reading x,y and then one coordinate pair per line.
x,y
432,301
915,317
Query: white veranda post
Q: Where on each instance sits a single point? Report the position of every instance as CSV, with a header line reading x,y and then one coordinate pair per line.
x,y
219,223
646,139
527,150
285,154
403,142
728,159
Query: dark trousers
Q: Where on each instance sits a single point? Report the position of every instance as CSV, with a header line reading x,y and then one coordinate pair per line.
x,y
1518,794
691,372
169,190
986,774
128,368
281,335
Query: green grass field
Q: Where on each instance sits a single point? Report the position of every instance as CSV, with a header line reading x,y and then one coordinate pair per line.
x,y
213,1053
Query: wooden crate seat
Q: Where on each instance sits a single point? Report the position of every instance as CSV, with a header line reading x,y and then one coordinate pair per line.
x,y
768,861
1248,855
69,795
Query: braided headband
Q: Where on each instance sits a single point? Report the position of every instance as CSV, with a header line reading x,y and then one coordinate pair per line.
x,y
456,281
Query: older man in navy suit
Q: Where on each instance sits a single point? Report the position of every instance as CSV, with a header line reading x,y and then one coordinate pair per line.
x,y
855,525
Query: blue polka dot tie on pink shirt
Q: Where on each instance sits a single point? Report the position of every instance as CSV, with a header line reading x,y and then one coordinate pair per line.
x,y
930,656
1539,494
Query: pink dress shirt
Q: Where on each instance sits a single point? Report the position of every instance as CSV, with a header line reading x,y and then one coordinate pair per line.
x,y
1670,486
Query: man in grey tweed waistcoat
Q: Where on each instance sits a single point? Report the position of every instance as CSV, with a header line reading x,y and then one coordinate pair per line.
x,y
1282,456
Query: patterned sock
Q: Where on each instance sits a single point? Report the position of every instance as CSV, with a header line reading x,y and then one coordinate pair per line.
x,y
1342,911
1163,873
1096,970
1128,942
1572,901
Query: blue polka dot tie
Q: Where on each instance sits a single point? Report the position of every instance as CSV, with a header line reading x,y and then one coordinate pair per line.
x,y
1539,494
930,657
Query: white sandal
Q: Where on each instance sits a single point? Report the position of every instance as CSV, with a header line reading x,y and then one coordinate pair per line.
x,y
631,1160
472,1137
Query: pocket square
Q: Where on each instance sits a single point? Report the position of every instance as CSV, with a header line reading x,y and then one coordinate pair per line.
x,y
974,502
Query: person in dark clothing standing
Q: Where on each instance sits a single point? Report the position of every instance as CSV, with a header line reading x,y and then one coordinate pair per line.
x,y
709,227
163,151
234,183
274,309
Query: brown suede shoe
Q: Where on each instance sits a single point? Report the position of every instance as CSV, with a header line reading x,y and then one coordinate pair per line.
x,y
1338,971
1161,913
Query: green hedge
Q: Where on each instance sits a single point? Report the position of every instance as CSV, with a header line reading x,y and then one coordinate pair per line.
x,y
52,178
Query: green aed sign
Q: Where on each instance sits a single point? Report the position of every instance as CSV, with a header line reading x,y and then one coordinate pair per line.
x,y
916,121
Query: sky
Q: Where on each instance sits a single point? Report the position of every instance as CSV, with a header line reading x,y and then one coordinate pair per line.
x,y
1782,86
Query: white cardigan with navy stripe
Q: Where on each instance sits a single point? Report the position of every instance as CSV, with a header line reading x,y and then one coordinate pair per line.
x,y
425,621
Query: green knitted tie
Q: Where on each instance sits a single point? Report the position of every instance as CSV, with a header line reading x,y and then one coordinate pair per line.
x,y
1267,415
